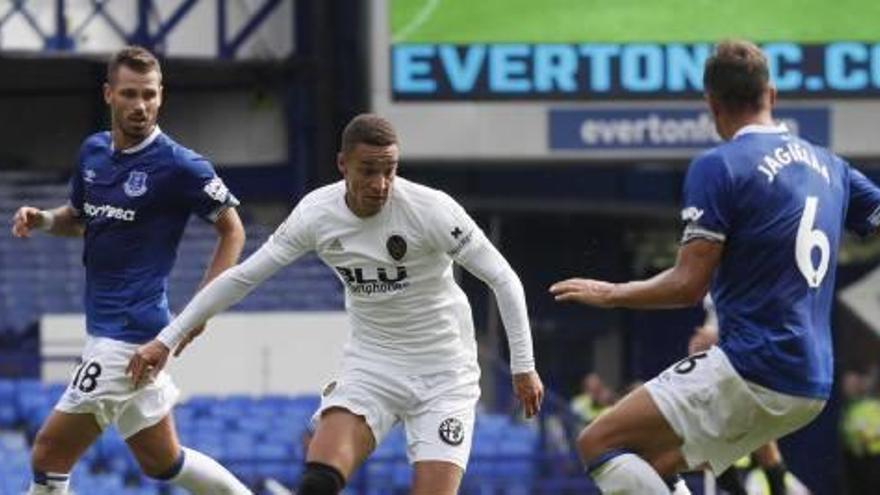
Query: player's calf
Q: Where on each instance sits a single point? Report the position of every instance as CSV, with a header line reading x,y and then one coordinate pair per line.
x,y
320,479
60,442
51,474
160,456
46,457
613,446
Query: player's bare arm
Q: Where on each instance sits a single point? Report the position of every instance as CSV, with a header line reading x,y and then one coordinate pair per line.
x,y
683,285
153,356
230,242
61,221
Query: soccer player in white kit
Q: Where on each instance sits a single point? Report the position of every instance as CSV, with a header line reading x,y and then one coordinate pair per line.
x,y
412,354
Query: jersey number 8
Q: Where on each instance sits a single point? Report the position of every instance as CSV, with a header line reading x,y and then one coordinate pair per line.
x,y
808,239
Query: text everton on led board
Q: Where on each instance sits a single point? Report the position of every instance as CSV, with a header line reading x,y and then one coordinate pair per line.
x,y
597,71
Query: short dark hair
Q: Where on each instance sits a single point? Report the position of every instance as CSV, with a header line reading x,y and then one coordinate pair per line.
x,y
368,128
136,58
736,75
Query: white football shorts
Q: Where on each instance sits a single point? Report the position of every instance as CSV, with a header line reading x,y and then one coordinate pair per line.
x,y
437,409
719,415
99,386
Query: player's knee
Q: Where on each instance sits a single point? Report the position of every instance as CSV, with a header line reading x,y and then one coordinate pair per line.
x,y
668,463
320,479
162,469
592,442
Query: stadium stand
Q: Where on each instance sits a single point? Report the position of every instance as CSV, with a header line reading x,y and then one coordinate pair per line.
x,y
258,439
45,275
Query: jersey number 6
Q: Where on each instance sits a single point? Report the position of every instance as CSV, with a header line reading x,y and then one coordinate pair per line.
x,y
688,364
808,239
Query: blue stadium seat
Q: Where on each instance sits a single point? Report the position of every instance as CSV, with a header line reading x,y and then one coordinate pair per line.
x,y
286,473
34,402
111,445
401,474
210,425
273,451
518,440
8,414
209,442
200,405
379,471
258,438
123,463
8,410
15,481
12,441
241,445
492,424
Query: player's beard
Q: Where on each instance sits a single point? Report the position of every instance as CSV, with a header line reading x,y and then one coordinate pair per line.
x,y
137,131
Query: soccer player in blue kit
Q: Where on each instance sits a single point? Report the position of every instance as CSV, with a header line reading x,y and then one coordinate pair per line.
x,y
132,193
764,213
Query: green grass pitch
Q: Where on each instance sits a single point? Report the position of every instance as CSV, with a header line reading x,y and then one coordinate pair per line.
x,y
570,21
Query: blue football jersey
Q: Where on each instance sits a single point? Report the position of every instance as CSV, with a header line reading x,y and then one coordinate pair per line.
x,y
778,204
135,204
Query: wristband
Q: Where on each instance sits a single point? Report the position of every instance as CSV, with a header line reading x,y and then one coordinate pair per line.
x,y
48,220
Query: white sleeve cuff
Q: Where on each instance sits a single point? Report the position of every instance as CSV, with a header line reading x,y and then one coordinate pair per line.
x,y
171,336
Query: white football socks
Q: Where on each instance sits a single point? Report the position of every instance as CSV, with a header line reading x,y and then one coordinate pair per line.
x,y
202,475
49,483
628,474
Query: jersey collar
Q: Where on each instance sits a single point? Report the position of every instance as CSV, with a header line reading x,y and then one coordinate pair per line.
x,y
140,146
761,129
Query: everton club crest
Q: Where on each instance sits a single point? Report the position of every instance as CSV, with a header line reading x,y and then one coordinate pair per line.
x,y
396,247
136,185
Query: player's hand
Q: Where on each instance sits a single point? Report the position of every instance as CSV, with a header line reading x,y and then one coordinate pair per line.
x,y
702,339
529,390
195,332
147,360
584,291
26,219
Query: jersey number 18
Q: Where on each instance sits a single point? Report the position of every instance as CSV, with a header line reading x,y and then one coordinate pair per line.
x,y
86,377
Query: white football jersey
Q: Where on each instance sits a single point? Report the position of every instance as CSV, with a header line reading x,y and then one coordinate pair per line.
x,y
403,302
